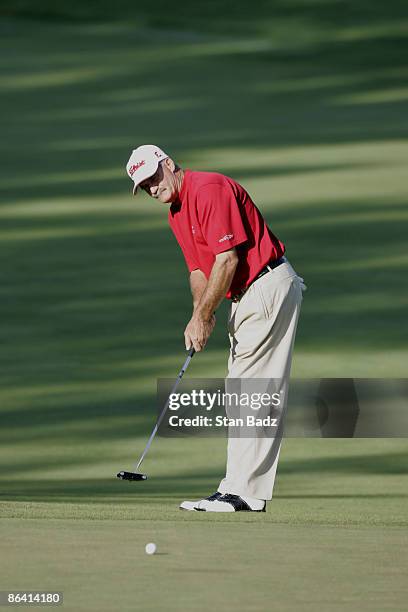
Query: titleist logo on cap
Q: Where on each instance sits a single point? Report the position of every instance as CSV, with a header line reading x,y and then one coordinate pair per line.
x,y
135,167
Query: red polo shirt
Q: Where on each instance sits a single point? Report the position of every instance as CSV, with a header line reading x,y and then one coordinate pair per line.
x,y
215,214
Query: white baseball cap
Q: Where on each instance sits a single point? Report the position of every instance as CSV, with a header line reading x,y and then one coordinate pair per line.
x,y
143,163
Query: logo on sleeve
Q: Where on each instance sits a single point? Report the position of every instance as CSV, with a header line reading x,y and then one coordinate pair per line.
x,y
133,169
226,237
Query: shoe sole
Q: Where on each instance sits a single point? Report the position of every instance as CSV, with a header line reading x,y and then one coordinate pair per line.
x,y
181,507
227,505
226,511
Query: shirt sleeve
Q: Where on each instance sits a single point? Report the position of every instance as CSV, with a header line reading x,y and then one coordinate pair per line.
x,y
220,218
191,263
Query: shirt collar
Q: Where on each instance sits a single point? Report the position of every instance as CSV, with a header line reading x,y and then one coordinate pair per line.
x,y
184,185
178,203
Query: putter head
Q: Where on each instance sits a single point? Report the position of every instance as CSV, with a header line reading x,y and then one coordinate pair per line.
x,y
131,476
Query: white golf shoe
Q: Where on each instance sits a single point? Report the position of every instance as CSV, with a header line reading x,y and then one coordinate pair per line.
x,y
231,503
192,505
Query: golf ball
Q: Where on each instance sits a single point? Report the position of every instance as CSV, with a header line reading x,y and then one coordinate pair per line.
x,y
150,548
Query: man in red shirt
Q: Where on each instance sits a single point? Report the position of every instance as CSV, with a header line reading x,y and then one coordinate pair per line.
x,y
230,253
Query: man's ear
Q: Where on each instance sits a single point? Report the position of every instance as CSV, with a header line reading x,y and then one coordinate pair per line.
x,y
170,164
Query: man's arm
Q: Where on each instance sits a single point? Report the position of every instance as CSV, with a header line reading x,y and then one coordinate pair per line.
x,y
218,284
198,283
201,324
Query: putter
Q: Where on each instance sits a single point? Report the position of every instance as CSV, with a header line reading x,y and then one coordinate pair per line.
x,y
135,475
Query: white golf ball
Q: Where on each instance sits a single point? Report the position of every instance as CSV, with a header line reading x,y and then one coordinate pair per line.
x,y
150,548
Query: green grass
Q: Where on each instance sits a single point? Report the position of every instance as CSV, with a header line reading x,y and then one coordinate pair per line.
x,y
202,564
335,534
305,104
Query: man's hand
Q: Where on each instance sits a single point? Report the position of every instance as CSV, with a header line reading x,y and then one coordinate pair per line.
x,y
207,296
198,331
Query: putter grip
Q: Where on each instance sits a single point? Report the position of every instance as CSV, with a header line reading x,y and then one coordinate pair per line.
x,y
191,351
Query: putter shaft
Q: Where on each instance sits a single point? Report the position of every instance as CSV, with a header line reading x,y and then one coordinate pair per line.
x,y
166,405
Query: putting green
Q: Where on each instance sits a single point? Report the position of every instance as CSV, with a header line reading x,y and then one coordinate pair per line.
x,y
102,565
335,534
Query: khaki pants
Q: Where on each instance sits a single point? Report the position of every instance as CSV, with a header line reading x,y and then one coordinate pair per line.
x,y
262,328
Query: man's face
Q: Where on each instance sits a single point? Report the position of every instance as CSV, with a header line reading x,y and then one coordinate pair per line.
x,y
163,184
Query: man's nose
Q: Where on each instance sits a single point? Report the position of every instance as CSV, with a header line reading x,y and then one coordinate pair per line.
x,y
153,189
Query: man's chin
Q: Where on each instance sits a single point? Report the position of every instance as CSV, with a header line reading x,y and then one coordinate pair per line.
x,y
166,199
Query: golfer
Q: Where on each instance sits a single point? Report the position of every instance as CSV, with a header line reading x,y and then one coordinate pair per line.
x,y
230,253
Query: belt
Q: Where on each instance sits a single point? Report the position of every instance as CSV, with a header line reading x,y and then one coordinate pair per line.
x,y
268,268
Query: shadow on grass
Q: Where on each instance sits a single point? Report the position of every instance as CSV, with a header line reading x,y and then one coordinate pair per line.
x,y
385,463
83,106
109,491
87,322
157,488
93,299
